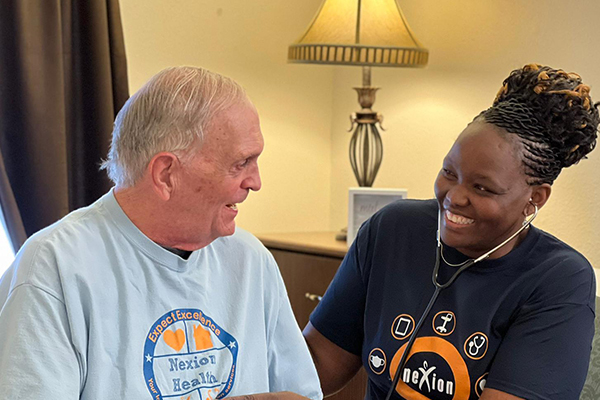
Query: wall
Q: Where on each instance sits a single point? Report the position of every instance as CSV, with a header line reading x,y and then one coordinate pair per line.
x,y
247,40
473,46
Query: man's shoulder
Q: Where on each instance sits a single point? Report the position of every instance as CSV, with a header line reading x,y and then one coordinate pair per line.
x,y
66,239
244,256
242,239
241,244
247,239
78,226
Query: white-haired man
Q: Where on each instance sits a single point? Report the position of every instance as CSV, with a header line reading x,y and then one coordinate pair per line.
x,y
152,292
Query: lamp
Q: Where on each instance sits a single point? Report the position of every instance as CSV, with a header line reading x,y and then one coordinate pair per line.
x,y
366,33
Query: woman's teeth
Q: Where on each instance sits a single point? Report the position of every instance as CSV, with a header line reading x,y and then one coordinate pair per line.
x,y
232,206
457,219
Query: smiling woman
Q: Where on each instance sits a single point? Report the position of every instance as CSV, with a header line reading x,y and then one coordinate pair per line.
x,y
518,321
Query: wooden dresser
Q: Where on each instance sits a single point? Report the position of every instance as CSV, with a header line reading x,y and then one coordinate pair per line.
x,y
308,261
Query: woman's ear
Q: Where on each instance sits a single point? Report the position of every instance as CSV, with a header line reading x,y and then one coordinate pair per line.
x,y
540,194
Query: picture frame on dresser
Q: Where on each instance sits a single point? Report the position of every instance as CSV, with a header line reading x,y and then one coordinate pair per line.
x,y
363,202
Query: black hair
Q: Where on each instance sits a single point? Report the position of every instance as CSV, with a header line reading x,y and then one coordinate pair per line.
x,y
552,114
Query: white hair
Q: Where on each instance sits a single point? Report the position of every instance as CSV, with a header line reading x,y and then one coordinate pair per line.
x,y
171,112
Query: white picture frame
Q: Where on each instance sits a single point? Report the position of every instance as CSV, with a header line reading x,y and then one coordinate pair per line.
x,y
364,202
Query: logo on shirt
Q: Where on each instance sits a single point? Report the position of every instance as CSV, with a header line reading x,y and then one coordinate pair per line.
x,y
427,380
377,361
476,346
187,355
402,326
444,323
434,366
480,384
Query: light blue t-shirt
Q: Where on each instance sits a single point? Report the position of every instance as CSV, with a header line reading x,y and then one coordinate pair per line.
x,y
93,309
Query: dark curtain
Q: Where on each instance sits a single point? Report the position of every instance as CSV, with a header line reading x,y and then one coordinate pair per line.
x,y
63,78
11,217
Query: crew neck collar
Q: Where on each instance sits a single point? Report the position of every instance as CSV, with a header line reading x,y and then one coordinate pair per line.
x,y
517,253
140,240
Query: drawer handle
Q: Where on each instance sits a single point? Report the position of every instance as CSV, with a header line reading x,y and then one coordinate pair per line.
x,y
313,297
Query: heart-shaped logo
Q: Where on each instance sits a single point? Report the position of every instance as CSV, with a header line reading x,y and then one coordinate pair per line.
x,y
174,340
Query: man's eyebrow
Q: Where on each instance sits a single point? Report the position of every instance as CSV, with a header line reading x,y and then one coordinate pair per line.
x,y
249,154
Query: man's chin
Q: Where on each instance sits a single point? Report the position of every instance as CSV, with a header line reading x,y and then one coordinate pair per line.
x,y
227,230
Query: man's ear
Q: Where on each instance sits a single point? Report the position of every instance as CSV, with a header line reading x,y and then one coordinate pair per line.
x,y
540,194
162,168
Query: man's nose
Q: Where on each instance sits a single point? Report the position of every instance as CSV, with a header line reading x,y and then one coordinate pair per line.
x,y
253,181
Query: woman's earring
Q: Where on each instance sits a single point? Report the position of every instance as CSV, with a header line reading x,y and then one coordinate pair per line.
x,y
526,211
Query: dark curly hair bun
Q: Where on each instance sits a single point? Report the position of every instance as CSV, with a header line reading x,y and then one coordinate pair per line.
x,y
552,113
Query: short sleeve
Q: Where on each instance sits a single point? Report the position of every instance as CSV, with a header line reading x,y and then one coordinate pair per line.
x,y
290,364
340,314
545,353
37,359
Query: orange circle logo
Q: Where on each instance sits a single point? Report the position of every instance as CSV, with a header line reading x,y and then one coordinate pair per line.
x,y
460,388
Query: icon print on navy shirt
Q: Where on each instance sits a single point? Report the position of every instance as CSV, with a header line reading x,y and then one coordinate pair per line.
x,y
476,346
444,323
402,326
436,367
377,361
480,384
187,355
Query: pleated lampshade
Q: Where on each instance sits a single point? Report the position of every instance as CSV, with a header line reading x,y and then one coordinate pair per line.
x,y
359,32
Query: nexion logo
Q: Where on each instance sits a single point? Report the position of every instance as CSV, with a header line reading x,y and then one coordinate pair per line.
x,y
427,380
188,354
422,378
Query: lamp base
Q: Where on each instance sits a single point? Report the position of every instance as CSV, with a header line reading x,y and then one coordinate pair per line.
x,y
366,147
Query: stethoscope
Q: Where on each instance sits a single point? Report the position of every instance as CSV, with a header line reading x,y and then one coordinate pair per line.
x,y
441,286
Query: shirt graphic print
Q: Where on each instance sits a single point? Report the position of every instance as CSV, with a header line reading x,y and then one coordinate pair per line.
x,y
188,356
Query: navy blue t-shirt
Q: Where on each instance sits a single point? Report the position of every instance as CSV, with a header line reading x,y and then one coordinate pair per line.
x,y
522,323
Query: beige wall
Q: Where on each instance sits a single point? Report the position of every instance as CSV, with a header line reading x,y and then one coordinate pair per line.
x,y
304,109
247,40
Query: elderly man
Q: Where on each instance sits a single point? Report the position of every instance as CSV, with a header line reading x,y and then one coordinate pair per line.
x,y
152,292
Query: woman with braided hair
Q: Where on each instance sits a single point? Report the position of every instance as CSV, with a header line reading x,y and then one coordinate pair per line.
x,y
511,312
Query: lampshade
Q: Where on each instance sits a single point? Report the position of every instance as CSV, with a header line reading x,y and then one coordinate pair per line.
x,y
359,32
